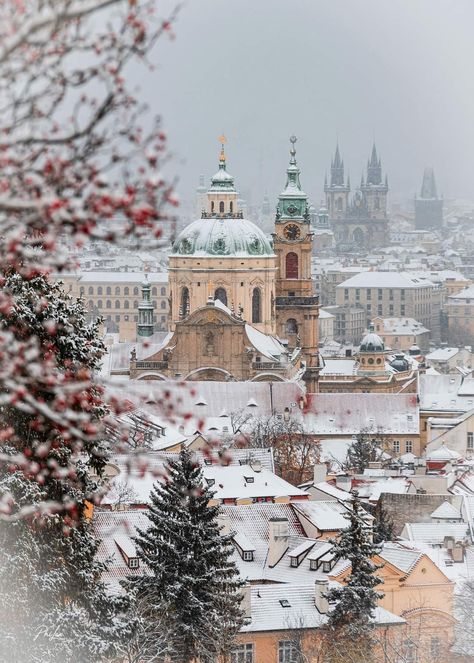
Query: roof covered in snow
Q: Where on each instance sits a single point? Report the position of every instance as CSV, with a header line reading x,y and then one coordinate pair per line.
x,y
446,511
434,533
446,392
442,354
402,327
385,280
351,413
268,613
232,482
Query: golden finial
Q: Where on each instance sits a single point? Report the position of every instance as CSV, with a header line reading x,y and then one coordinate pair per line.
x,y
222,140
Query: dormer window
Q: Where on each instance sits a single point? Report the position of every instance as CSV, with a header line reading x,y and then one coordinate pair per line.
x,y
247,556
133,563
249,479
294,562
285,603
313,564
210,482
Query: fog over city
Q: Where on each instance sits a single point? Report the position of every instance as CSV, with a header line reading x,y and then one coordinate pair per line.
x,y
399,71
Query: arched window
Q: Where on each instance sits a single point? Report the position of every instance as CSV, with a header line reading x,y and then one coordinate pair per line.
x,y
99,304
135,290
291,265
163,304
99,290
108,290
256,305
221,207
231,207
91,290
90,304
126,304
108,304
117,290
212,207
135,303
377,203
184,302
221,294
117,303
291,326
339,204
126,291
154,292
163,292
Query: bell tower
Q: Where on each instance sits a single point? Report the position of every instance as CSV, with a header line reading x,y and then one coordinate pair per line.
x,y
297,308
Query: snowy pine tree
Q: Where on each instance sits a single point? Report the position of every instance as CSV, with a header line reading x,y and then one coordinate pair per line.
x,y
191,588
362,451
53,606
356,600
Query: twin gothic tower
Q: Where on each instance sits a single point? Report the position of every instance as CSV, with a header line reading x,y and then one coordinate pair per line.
x,y
242,307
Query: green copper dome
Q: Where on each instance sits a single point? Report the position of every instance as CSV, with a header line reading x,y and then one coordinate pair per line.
x,y
222,236
372,342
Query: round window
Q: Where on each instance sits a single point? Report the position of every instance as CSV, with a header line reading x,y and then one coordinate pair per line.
x,y
370,360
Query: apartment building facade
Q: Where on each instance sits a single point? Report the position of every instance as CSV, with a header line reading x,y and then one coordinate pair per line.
x,y
390,295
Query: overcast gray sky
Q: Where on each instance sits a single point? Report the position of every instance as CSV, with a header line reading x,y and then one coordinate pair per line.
x,y
258,70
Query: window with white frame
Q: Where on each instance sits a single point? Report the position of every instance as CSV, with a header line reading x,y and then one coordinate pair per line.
x,y
408,447
242,653
288,652
470,442
396,446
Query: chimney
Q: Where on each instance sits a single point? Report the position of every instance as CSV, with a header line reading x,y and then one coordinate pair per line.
x,y
223,522
344,482
321,586
449,542
246,603
256,465
320,472
278,540
457,552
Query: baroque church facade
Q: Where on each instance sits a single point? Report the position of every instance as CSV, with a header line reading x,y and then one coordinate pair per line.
x,y
361,221
242,306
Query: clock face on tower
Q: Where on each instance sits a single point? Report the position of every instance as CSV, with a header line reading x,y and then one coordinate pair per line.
x,y
292,231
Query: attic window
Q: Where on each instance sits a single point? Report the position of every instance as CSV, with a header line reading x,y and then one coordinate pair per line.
x,y
207,461
248,555
285,603
201,402
249,479
133,563
313,564
210,482
294,561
